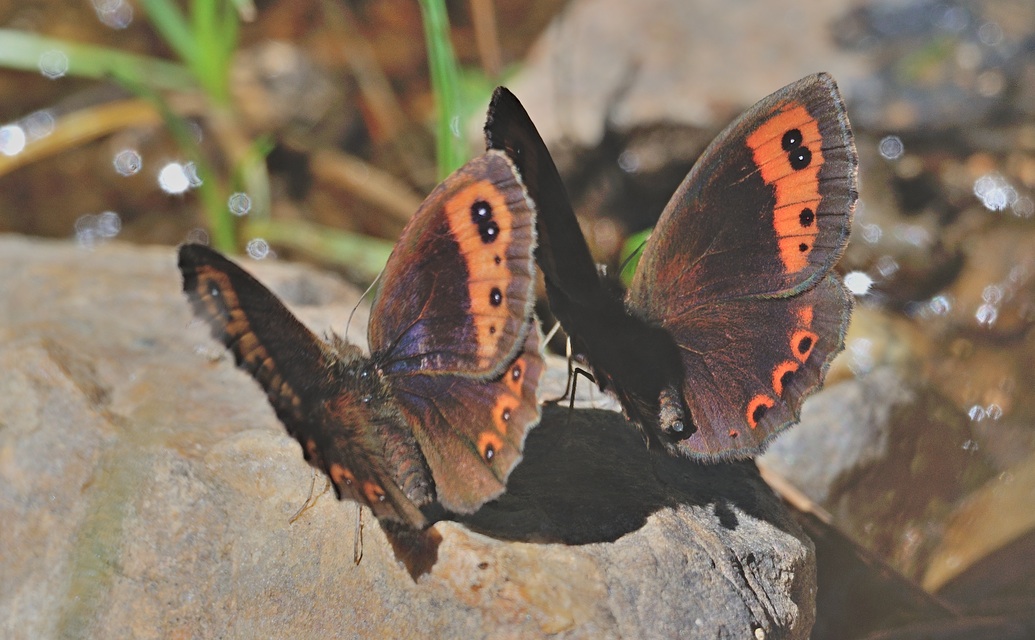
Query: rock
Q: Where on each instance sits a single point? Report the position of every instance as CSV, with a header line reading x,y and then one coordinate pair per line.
x,y
147,490
696,63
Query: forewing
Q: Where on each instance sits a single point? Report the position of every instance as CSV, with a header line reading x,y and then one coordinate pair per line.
x,y
764,212
562,253
457,291
295,368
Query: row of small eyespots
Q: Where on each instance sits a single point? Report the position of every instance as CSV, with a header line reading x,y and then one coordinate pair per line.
x,y
491,442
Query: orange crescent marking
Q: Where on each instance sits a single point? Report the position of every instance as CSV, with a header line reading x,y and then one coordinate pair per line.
x,y
756,403
486,274
782,369
797,190
806,339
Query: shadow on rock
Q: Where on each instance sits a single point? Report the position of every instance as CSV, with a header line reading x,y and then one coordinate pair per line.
x,y
588,476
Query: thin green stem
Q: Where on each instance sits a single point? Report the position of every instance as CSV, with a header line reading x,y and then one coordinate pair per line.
x,y
445,83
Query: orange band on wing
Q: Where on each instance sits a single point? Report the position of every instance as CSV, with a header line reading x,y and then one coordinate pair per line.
x,y
220,298
481,224
787,149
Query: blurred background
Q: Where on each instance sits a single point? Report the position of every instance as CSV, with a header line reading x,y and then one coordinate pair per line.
x,y
310,129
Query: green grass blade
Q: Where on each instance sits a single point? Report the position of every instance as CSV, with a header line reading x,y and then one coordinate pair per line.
x,y
170,23
22,50
445,82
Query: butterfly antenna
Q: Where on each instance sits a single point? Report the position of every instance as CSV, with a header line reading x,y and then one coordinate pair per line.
x,y
357,544
360,301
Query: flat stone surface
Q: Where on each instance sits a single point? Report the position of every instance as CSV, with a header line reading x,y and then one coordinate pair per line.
x,y
147,490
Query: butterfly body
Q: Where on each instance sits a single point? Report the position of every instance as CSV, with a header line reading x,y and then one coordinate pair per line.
x,y
733,315
439,410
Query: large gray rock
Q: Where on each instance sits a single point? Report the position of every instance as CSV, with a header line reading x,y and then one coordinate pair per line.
x,y
691,63
147,490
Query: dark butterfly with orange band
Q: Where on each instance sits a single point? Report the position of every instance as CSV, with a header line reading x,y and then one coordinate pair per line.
x,y
734,313
439,411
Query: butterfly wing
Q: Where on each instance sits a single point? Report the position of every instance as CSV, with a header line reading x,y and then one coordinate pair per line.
x,y
629,357
739,260
453,332
750,363
472,431
562,254
764,212
295,369
457,291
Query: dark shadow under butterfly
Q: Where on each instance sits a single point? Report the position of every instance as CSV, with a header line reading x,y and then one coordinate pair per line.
x,y
734,313
438,413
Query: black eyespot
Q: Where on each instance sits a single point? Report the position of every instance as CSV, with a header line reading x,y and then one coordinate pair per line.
x,y
490,453
506,415
804,345
786,378
515,373
800,158
481,215
759,412
497,260
806,217
480,211
213,290
734,434
495,297
803,247
791,139
489,231
492,330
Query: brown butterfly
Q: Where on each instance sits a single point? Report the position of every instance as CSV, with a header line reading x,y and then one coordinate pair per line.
x,y
734,313
439,410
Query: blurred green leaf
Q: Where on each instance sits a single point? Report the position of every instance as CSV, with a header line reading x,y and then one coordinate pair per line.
x,y
22,50
632,250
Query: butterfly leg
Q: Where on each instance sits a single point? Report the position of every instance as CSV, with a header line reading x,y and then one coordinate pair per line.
x,y
569,384
311,499
574,373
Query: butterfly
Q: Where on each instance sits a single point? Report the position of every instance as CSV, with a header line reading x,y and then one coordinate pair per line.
x,y
734,314
439,411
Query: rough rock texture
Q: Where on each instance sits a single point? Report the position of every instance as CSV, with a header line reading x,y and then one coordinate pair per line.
x,y
147,490
695,63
